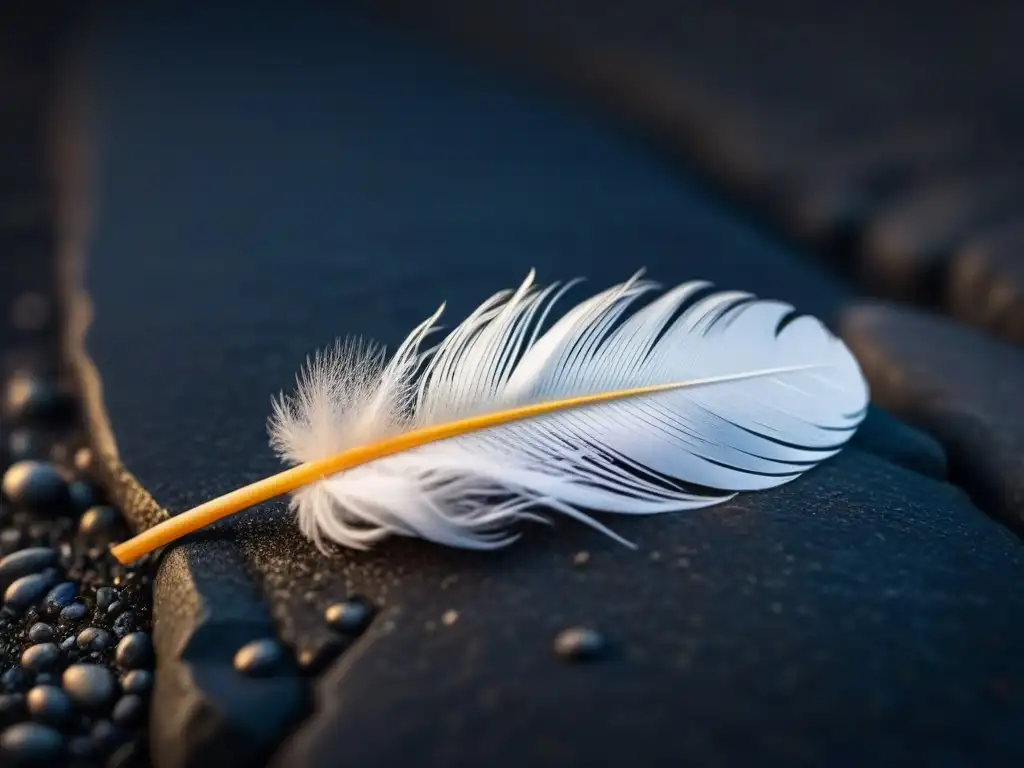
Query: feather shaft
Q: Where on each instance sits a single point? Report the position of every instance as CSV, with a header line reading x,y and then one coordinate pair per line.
x,y
205,514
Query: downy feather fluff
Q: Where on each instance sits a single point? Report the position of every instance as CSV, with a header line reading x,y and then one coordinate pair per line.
x,y
666,452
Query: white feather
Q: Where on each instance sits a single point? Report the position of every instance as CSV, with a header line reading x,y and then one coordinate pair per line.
x,y
675,450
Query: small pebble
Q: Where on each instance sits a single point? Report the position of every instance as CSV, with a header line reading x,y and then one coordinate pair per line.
x,y
581,558
12,706
14,680
68,643
26,562
114,608
28,743
48,704
128,710
105,596
83,459
82,495
71,614
98,522
28,590
40,633
579,643
138,681
29,398
123,623
90,686
260,658
94,639
80,747
10,539
40,657
449,617
27,444
35,485
103,734
125,756
314,659
60,597
350,617
135,651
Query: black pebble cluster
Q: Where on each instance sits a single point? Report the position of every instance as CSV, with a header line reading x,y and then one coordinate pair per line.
x,y
76,658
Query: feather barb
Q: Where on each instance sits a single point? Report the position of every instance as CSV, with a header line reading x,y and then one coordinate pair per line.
x,y
176,527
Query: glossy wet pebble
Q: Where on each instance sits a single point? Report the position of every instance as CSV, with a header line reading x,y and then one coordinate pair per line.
x,y
128,710
94,639
40,633
579,643
135,651
35,485
71,614
82,496
48,704
259,658
90,686
103,735
40,657
350,617
30,398
12,706
98,523
138,681
28,590
25,562
30,743
105,597
60,597
14,680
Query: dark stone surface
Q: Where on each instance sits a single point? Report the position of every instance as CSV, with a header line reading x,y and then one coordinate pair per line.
x,y
986,285
882,434
960,386
824,117
859,615
909,243
205,609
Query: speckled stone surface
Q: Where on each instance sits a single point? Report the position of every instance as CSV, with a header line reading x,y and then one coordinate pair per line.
x,y
861,615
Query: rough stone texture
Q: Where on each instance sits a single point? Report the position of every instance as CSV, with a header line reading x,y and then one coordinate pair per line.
x,y
986,286
958,385
860,615
204,713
